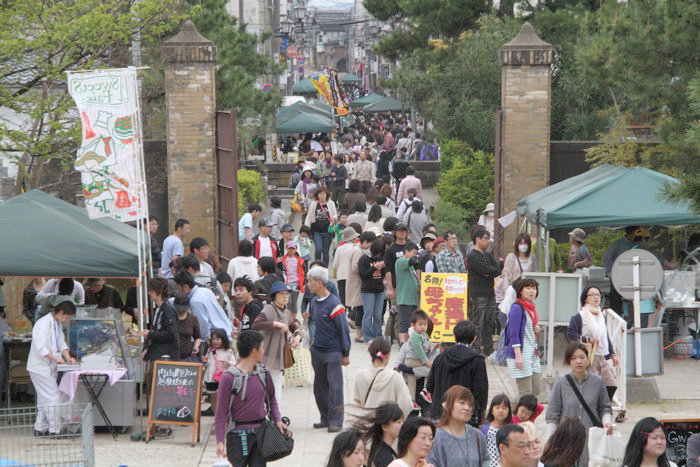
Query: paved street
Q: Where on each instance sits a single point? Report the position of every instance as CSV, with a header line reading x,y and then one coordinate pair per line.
x,y
312,446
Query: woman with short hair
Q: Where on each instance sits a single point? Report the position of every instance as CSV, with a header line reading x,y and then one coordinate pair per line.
x,y
579,394
521,340
458,444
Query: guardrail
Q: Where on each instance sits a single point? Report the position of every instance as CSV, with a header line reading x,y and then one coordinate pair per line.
x,y
617,330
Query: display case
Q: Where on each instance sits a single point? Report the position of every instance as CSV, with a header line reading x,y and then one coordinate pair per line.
x,y
98,340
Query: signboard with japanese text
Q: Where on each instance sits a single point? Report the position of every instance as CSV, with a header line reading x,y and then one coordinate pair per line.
x,y
176,390
111,154
677,434
443,296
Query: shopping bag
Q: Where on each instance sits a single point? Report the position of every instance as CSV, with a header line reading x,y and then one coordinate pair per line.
x,y
222,462
591,348
605,450
300,373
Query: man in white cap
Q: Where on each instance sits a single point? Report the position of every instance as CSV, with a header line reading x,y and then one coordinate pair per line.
x,y
487,218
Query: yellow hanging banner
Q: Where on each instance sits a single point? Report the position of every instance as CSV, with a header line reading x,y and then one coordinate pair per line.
x,y
443,296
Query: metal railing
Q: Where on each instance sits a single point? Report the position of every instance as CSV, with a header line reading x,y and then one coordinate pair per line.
x,y
617,330
21,444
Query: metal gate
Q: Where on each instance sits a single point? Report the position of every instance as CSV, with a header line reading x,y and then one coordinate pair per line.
x,y
227,184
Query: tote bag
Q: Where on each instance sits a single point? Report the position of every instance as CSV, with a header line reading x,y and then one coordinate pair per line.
x,y
605,450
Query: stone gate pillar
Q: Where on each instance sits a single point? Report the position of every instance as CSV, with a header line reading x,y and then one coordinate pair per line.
x,y
190,106
525,102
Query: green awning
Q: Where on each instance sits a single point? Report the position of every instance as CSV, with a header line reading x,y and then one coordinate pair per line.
x,y
286,113
607,196
385,104
304,123
364,101
304,87
44,236
350,78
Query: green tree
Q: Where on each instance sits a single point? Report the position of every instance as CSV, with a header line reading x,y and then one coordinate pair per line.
x,y
239,64
40,41
420,20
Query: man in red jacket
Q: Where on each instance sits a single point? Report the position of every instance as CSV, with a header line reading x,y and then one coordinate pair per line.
x,y
265,245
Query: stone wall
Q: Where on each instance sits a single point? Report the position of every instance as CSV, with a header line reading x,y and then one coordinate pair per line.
x,y
191,131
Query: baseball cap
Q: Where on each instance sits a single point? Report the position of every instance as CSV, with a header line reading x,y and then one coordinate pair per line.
x,y
438,241
293,245
400,226
287,228
266,223
181,302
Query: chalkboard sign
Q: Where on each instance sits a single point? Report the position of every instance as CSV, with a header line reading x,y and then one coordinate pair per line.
x,y
677,434
176,391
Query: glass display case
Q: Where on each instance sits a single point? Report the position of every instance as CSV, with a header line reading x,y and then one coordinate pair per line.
x,y
97,338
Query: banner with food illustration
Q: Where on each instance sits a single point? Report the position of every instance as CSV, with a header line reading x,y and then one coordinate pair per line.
x,y
443,296
110,156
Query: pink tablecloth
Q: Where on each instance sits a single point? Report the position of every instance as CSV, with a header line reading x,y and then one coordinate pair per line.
x,y
69,382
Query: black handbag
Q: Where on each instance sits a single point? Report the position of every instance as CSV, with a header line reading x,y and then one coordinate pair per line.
x,y
272,443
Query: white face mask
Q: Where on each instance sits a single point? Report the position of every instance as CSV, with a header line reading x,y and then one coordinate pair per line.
x,y
522,248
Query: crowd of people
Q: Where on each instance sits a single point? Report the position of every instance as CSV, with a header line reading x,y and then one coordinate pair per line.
x,y
350,273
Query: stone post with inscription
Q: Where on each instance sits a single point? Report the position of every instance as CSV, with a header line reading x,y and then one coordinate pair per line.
x,y
190,98
525,101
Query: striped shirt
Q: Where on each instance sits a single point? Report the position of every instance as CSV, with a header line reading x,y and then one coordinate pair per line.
x,y
531,363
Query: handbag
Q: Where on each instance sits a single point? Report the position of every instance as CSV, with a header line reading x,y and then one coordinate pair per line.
x,y
605,450
272,443
287,356
591,415
591,348
295,204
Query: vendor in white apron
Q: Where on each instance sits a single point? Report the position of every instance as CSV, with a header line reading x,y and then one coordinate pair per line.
x,y
47,351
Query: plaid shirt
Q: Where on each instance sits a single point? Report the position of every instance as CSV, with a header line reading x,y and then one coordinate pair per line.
x,y
447,261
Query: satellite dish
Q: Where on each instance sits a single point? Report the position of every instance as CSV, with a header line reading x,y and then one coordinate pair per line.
x,y
651,275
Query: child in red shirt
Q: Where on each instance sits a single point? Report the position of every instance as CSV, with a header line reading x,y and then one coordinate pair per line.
x,y
527,409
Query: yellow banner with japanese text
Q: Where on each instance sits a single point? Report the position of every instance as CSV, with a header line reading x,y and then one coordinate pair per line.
x,y
443,296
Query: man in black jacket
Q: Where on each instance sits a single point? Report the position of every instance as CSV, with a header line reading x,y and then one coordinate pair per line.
x,y
460,365
482,269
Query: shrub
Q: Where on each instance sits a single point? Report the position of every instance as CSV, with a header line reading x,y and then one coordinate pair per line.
x,y
449,216
468,183
251,189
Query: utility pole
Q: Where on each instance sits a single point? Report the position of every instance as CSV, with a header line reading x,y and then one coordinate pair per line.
x,y
241,6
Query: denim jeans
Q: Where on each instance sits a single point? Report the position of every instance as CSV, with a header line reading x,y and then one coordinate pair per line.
x,y
322,243
373,304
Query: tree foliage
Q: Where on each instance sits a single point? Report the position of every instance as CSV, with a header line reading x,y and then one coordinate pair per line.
x,y
419,20
239,65
40,41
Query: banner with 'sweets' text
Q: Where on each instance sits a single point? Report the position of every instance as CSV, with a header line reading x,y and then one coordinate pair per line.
x,y
111,154
443,296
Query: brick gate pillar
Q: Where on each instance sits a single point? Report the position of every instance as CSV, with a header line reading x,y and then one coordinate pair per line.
x,y
525,101
190,101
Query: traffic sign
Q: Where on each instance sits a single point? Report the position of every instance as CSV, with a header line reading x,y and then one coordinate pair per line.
x,y
292,50
651,275
300,54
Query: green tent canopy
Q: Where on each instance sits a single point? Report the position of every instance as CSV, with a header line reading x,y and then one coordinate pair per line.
x,y
44,236
350,78
286,113
366,100
607,196
304,123
304,87
385,104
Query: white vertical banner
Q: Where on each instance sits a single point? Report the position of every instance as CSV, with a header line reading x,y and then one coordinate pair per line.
x,y
110,157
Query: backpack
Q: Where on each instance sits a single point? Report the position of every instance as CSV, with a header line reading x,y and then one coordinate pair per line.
x,y
240,381
400,166
429,152
213,285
